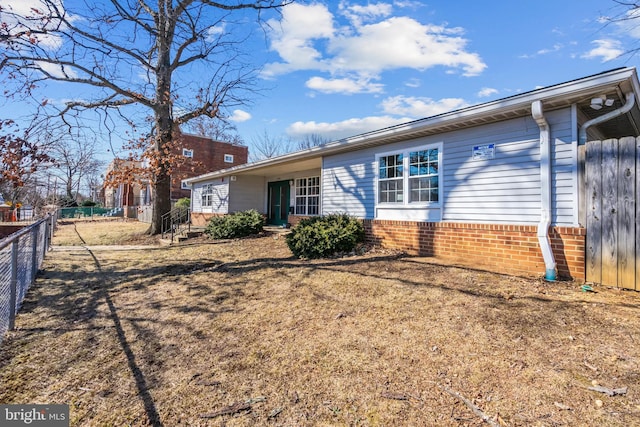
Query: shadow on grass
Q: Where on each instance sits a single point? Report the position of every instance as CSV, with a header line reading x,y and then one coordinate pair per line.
x,y
80,303
141,382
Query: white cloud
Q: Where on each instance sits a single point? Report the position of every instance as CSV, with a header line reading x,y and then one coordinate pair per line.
x,y
307,38
606,50
29,14
419,107
397,109
545,51
556,47
214,33
345,128
344,86
57,70
358,14
403,43
293,38
486,92
239,116
413,83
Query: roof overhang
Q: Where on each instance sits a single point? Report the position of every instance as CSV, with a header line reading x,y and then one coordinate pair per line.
x,y
614,84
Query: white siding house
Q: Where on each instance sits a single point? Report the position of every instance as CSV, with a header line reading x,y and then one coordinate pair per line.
x,y
501,181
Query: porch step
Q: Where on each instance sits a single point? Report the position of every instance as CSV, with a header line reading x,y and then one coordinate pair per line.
x,y
182,237
276,229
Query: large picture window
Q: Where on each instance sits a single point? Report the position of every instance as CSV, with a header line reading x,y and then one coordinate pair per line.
x,y
409,177
308,196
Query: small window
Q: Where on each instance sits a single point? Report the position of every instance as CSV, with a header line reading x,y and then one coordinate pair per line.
x,y
390,179
423,176
187,153
228,158
207,195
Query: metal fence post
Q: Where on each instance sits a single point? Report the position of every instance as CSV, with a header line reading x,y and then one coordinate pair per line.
x,y
13,285
34,253
49,231
45,236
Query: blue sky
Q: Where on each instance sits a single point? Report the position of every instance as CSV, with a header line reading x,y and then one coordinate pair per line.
x,y
341,68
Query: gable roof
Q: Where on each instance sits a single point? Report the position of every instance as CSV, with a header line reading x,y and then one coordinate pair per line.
x,y
613,83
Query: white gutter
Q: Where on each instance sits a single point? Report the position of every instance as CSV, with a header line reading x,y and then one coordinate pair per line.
x,y
545,191
582,135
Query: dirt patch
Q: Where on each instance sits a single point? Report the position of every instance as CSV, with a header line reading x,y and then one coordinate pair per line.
x,y
241,334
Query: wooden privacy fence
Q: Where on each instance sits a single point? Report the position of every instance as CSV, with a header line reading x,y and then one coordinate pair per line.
x,y
612,179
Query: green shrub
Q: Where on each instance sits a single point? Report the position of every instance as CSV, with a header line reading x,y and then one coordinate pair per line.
x,y
322,236
239,224
185,202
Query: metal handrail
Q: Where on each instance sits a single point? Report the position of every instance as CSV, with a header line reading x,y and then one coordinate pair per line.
x,y
175,221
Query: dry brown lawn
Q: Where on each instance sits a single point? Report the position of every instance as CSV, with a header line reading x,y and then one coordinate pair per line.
x,y
239,333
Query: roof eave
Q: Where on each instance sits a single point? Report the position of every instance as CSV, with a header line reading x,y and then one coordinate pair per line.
x,y
453,118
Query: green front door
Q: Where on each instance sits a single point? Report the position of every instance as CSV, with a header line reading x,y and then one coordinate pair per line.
x,y
278,202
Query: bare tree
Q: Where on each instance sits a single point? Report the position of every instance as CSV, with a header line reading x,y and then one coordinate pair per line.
x,y
216,129
311,140
74,161
626,15
143,54
266,146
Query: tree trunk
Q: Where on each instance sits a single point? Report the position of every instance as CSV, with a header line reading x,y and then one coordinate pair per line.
x,y
163,122
162,180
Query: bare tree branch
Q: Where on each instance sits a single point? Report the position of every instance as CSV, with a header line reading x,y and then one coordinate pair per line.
x,y
135,55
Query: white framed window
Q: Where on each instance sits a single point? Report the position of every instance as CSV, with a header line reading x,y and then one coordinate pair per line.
x,y
187,153
308,196
390,178
228,158
409,177
207,195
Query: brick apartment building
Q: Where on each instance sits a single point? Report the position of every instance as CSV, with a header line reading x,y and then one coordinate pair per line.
x,y
199,155
203,155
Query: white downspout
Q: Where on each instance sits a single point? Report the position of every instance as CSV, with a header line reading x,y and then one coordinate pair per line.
x,y
582,135
545,191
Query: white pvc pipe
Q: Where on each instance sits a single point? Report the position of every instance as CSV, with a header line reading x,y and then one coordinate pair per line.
x,y
545,191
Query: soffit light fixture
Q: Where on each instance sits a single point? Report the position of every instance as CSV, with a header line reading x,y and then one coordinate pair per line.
x,y
601,101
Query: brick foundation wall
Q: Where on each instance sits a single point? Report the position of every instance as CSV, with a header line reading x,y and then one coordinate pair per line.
x,y
510,249
295,219
200,219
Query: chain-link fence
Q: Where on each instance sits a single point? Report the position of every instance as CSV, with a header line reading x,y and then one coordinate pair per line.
x,y
21,255
90,212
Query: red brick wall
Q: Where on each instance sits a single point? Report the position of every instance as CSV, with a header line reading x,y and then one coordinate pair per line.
x,y
208,156
295,219
7,230
510,249
201,219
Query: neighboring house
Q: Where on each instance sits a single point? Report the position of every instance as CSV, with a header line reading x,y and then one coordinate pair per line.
x,y
125,194
203,155
199,154
500,184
